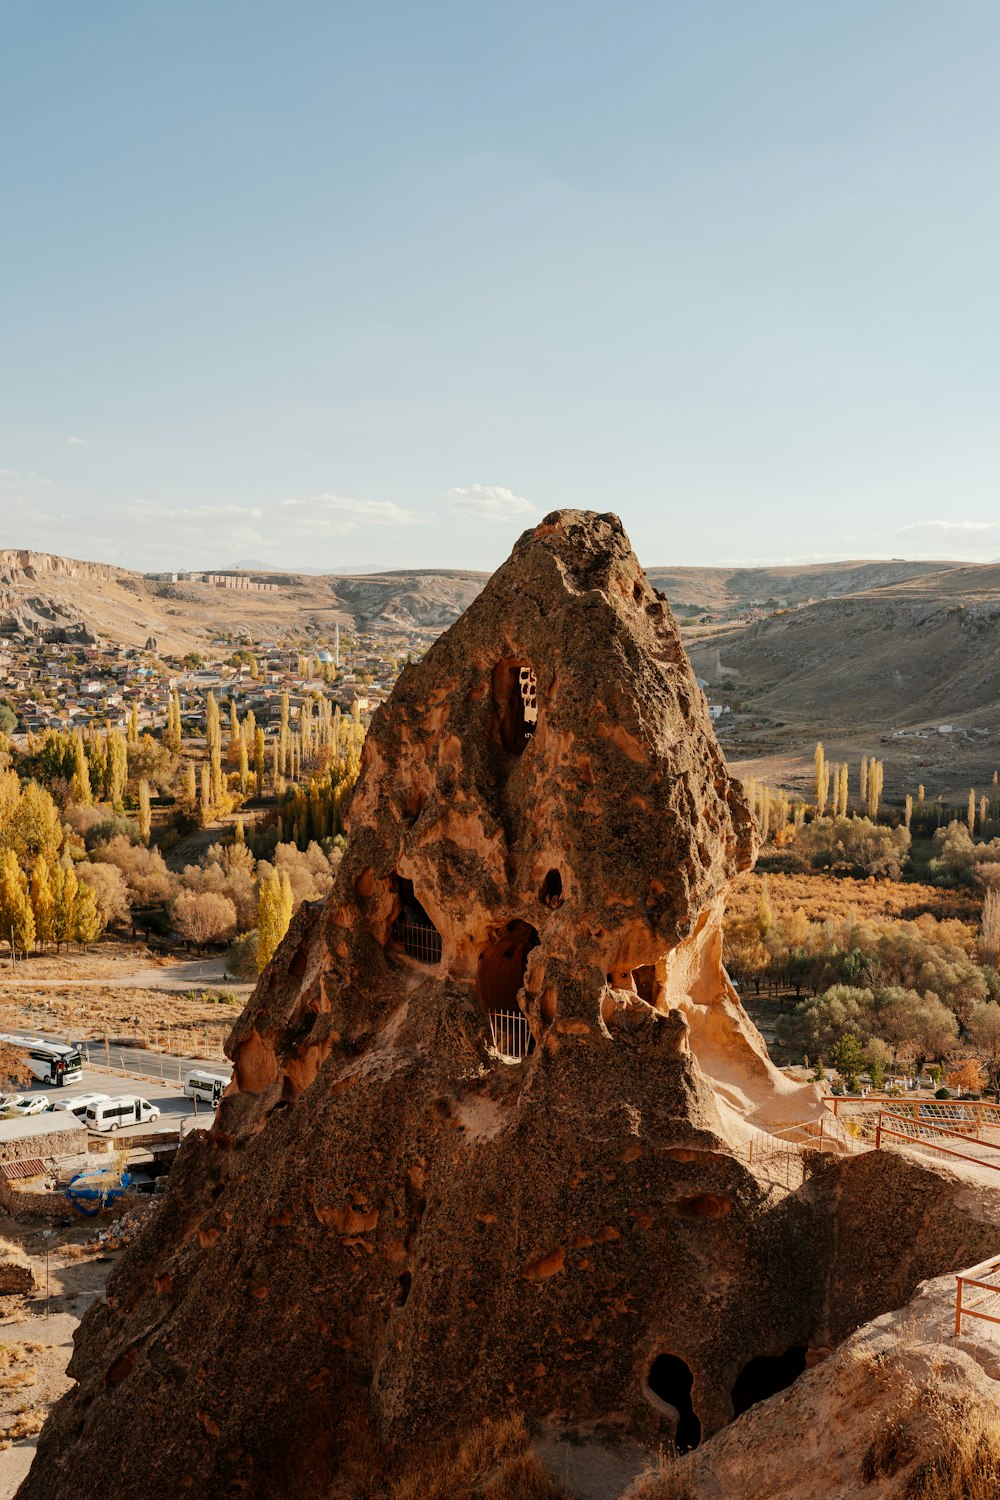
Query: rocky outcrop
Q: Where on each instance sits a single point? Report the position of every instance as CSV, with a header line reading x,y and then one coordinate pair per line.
x,y
903,1410
485,1151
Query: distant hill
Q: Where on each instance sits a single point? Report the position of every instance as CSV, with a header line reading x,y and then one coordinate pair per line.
x,y
726,590
254,565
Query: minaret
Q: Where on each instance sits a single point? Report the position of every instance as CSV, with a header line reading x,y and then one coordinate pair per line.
x,y
336,646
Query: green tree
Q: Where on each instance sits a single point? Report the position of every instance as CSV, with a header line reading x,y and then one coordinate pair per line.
x,y
848,1059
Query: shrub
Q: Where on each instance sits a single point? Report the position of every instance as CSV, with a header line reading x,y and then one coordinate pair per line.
x,y
242,960
203,917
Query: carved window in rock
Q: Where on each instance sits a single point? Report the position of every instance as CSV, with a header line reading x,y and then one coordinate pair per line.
x,y
499,977
412,929
515,704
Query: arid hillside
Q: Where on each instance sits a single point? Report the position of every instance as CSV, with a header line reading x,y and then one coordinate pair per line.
x,y
47,594
910,671
724,591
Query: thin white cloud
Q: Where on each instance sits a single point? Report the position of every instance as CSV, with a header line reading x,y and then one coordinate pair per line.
x,y
75,441
491,502
339,514
947,528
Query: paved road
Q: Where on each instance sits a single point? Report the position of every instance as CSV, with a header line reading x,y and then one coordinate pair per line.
x,y
160,1088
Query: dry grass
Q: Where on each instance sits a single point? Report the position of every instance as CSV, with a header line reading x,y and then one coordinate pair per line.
x,y
822,896
968,1464
493,1461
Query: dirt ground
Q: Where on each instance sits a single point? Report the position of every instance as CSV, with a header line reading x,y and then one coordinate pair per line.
x,y
123,993
36,1331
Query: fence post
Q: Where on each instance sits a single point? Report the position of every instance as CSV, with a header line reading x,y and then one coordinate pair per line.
x,y
750,1158
878,1134
958,1306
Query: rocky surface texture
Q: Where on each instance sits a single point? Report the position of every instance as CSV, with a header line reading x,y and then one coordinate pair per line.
x,y
903,1408
486,1147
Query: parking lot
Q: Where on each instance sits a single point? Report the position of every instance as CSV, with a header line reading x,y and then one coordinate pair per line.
x,y
167,1098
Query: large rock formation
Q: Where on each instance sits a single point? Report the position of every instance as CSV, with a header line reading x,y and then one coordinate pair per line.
x,y
486,1146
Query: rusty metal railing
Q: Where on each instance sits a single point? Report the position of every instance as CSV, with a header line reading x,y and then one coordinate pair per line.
x,y
980,1278
925,1134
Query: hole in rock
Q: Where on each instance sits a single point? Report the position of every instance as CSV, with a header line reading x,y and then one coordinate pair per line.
x,y
499,977
412,928
551,893
405,1282
704,1206
670,1381
502,963
515,703
766,1376
644,979
637,592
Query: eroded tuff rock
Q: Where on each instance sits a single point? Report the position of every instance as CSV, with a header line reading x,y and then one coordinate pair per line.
x,y
392,1231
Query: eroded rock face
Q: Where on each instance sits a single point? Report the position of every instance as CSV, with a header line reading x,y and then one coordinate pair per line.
x,y
483,1151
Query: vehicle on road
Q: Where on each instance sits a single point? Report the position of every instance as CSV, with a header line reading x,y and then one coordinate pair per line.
x,y
203,1085
31,1104
80,1104
114,1114
55,1063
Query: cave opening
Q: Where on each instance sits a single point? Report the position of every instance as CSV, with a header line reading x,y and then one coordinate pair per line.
x,y
767,1375
515,704
412,929
551,893
644,979
500,972
670,1380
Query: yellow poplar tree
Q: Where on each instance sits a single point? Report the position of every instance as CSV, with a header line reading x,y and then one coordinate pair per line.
x,y
42,902
822,778
80,784
258,759
65,888
17,920
88,919
145,811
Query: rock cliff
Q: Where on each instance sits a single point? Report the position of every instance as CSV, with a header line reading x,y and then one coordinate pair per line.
x,y
486,1148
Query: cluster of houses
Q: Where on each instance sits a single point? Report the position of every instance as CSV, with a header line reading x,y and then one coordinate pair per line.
x,y
74,685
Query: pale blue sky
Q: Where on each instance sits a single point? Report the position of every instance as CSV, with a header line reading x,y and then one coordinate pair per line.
x,y
338,283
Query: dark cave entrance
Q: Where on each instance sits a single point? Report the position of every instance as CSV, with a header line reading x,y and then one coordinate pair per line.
x,y
670,1381
502,963
412,929
766,1376
551,893
515,703
499,977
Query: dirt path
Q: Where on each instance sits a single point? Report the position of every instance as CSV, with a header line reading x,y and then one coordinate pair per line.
x,y
183,975
36,1334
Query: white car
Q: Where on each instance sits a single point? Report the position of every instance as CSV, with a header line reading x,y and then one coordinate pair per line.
x,y
112,1114
80,1104
31,1104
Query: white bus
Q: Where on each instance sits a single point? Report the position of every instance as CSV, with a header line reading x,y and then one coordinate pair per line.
x,y
55,1063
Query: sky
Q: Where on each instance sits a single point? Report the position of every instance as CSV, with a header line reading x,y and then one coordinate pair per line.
x,y
335,285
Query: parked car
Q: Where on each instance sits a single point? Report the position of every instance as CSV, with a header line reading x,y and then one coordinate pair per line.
x,y
80,1104
32,1104
115,1113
